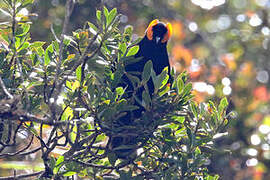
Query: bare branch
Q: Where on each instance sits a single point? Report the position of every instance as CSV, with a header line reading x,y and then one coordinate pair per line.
x,y
5,89
21,176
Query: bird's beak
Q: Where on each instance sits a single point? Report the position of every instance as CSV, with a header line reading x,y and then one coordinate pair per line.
x,y
157,39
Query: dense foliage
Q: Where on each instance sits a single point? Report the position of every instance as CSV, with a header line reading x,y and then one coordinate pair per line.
x,y
60,100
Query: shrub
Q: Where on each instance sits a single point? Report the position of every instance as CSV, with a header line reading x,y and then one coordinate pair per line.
x,y
60,102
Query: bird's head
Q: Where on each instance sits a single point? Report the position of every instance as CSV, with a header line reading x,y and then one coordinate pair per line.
x,y
158,32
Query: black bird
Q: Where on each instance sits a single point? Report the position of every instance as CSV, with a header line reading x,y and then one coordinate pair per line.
x,y
152,47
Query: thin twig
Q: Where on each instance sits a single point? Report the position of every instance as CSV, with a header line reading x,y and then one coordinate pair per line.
x,y
21,176
5,89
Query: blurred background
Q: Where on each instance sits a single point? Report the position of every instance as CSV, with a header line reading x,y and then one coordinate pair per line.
x,y
223,44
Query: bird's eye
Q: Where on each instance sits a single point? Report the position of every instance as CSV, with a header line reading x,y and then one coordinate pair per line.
x,y
149,30
168,33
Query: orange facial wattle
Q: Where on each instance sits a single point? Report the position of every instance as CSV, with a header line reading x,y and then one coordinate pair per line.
x,y
168,33
149,31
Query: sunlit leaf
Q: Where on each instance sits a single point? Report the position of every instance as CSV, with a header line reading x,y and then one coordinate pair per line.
x,y
47,58
111,15
79,73
133,50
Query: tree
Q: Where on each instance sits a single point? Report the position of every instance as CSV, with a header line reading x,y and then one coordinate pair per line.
x,y
60,102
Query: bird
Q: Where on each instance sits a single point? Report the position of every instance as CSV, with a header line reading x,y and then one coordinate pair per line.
x,y
153,46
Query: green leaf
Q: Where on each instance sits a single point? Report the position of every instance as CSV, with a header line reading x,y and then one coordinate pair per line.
x,y
37,44
161,80
47,59
68,114
222,105
112,158
180,85
58,164
129,108
79,73
92,28
122,48
119,91
68,39
73,133
146,100
190,137
128,33
68,84
27,2
133,50
187,89
98,14
24,46
209,177
130,60
26,28
180,119
134,80
17,42
69,173
164,90
106,13
111,16
194,109
146,74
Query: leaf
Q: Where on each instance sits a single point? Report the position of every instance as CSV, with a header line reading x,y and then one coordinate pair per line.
x,y
146,100
58,164
68,84
222,105
27,2
128,33
119,91
106,11
130,60
161,80
134,80
24,46
69,173
187,89
122,48
146,74
73,133
112,158
92,28
98,14
111,16
180,85
133,50
180,119
209,177
194,109
79,73
129,108
190,137
47,59
164,90
17,42
68,114
68,39
26,28
37,44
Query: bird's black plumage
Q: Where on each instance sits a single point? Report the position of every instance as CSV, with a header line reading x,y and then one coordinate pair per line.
x,y
152,47
149,49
